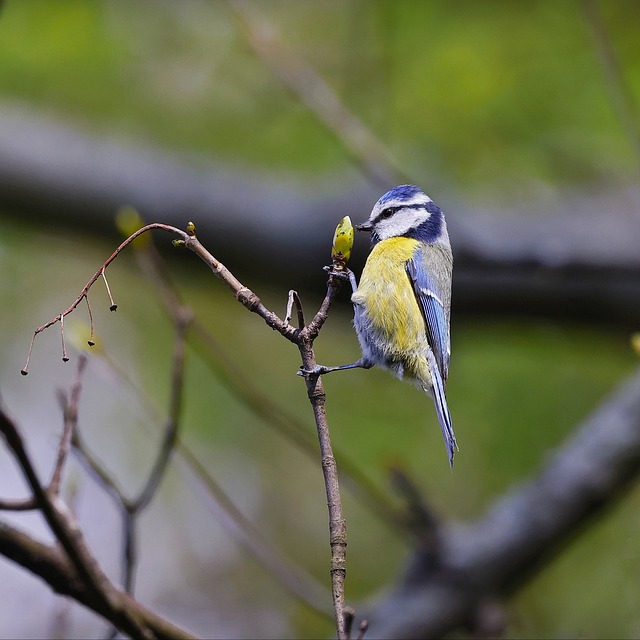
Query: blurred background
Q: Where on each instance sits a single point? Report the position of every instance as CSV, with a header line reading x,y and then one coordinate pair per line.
x,y
265,123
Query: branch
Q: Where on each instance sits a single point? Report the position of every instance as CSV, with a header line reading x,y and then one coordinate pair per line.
x,y
242,387
371,155
59,172
100,273
317,397
303,338
620,94
51,565
522,531
69,536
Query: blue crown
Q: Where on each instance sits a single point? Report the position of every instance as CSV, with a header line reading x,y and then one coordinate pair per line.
x,y
403,192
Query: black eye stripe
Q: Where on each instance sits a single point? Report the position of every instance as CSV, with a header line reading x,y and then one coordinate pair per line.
x,y
389,211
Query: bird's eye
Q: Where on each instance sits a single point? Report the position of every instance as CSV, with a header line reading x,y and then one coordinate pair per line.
x,y
387,213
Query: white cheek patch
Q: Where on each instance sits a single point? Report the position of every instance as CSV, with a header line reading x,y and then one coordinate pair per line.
x,y
401,222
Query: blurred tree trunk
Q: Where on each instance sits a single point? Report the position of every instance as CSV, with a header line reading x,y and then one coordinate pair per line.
x,y
579,259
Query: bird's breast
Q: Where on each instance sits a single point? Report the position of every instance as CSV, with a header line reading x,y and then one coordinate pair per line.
x,y
389,322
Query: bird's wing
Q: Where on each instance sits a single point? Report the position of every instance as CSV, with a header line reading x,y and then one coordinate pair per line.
x,y
433,306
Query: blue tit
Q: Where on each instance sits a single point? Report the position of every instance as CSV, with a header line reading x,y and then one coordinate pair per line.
x,y
402,305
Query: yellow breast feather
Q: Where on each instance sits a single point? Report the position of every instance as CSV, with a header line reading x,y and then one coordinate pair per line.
x,y
387,298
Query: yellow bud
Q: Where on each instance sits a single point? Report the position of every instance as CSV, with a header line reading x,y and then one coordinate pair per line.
x,y
128,221
635,342
342,243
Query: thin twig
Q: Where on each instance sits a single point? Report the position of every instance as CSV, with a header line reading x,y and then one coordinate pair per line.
x,y
69,535
112,305
317,397
294,299
318,96
136,506
243,388
56,570
24,504
619,91
65,357
99,273
70,413
422,520
173,422
304,340
362,629
91,340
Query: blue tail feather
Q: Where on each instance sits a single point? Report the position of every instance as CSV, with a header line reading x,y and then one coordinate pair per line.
x,y
442,410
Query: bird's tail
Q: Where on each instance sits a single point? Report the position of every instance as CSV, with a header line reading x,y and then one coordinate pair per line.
x,y
442,410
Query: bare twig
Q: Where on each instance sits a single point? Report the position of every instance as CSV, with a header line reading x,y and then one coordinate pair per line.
x,y
294,299
314,92
304,339
135,507
66,530
620,94
131,508
243,388
175,407
70,413
70,410
99,273
59,573
317,397
25,504
422,520
523,530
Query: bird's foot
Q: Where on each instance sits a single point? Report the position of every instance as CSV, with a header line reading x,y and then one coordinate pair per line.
x,y
318,370
343,274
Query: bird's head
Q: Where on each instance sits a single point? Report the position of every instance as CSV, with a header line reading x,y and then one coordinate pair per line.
x,y
404,211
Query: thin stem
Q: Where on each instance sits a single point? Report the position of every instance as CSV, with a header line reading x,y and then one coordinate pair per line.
x,y
65,357
91,340
68,534
99,273
317,397
294,298
620,94
242,387
175,407
70,412
311,89
112,305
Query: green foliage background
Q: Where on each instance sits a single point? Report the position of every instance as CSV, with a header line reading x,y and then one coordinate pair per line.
x,y
497,101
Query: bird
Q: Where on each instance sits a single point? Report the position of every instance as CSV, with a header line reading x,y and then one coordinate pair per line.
x,y
402,305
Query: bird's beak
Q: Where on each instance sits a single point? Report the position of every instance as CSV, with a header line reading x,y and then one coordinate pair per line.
x,y
365,226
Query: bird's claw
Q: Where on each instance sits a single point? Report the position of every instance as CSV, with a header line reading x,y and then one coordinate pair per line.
x,y
318,370
343,274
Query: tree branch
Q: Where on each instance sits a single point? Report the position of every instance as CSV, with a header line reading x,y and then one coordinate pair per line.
x,y
50,564
303,338
78,180
524,530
